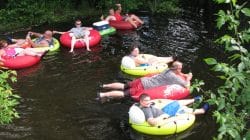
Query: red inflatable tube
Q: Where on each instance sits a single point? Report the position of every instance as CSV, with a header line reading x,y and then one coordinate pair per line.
x,y
20,62
173,92
95,38
122,25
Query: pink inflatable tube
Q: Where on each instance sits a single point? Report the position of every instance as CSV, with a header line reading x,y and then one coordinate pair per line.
x,y
20,62
122,25
173,92
95,38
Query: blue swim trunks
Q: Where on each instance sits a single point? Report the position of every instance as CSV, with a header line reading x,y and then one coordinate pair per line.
x,y
172,108
141,65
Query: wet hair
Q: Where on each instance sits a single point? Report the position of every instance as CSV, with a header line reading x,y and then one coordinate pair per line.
x,y
2,43
143,96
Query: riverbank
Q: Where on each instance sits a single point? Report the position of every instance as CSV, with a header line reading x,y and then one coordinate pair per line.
x,y
23,15
67,16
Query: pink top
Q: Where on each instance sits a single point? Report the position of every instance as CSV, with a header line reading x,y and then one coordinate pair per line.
x,y
10,52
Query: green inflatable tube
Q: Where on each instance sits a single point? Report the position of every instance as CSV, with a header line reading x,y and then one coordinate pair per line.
x,y
54,47
108,31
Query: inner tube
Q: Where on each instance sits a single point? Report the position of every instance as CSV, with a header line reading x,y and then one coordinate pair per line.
x,y
122,25
104,28
95,38
109,31
19,62
174,92
54,47
176,124
128,66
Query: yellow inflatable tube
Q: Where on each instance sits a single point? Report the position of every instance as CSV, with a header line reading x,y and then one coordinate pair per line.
x,y
128,66
54,47
172,125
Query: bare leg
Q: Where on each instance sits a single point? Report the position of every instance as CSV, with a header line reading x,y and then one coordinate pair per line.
x,y
136,18
165,59
128,19
18,41
196,111
114,86
32,52
73,42
86,40
185,102
112,94
155,60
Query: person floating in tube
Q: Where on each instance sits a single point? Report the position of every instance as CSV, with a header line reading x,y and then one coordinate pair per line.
x,y
18,47
43,39
116,16
78,33
155,116
171,76
141,60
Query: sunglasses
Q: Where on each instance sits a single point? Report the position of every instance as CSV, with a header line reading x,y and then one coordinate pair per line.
x,y
78,24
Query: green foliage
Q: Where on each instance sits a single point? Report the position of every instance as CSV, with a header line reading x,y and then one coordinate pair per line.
x,y
127,5
196,86
21,13
163,6
8,100
232,99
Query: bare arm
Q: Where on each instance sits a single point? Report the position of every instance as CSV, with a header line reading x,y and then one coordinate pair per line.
x,y
35,34
57,32
88,28
140,60
188,78
158,120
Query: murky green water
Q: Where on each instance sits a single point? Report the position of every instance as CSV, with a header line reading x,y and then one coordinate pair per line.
x,y
58,94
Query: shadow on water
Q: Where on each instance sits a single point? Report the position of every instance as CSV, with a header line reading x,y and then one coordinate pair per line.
x,y
58,95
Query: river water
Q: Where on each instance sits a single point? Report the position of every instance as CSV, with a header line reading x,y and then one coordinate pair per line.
x,y
58,95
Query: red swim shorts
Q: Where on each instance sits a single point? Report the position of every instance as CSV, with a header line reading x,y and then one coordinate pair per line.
x,y
133,88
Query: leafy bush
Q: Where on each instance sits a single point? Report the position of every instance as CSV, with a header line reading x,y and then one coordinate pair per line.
x,y
8,100
232,99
